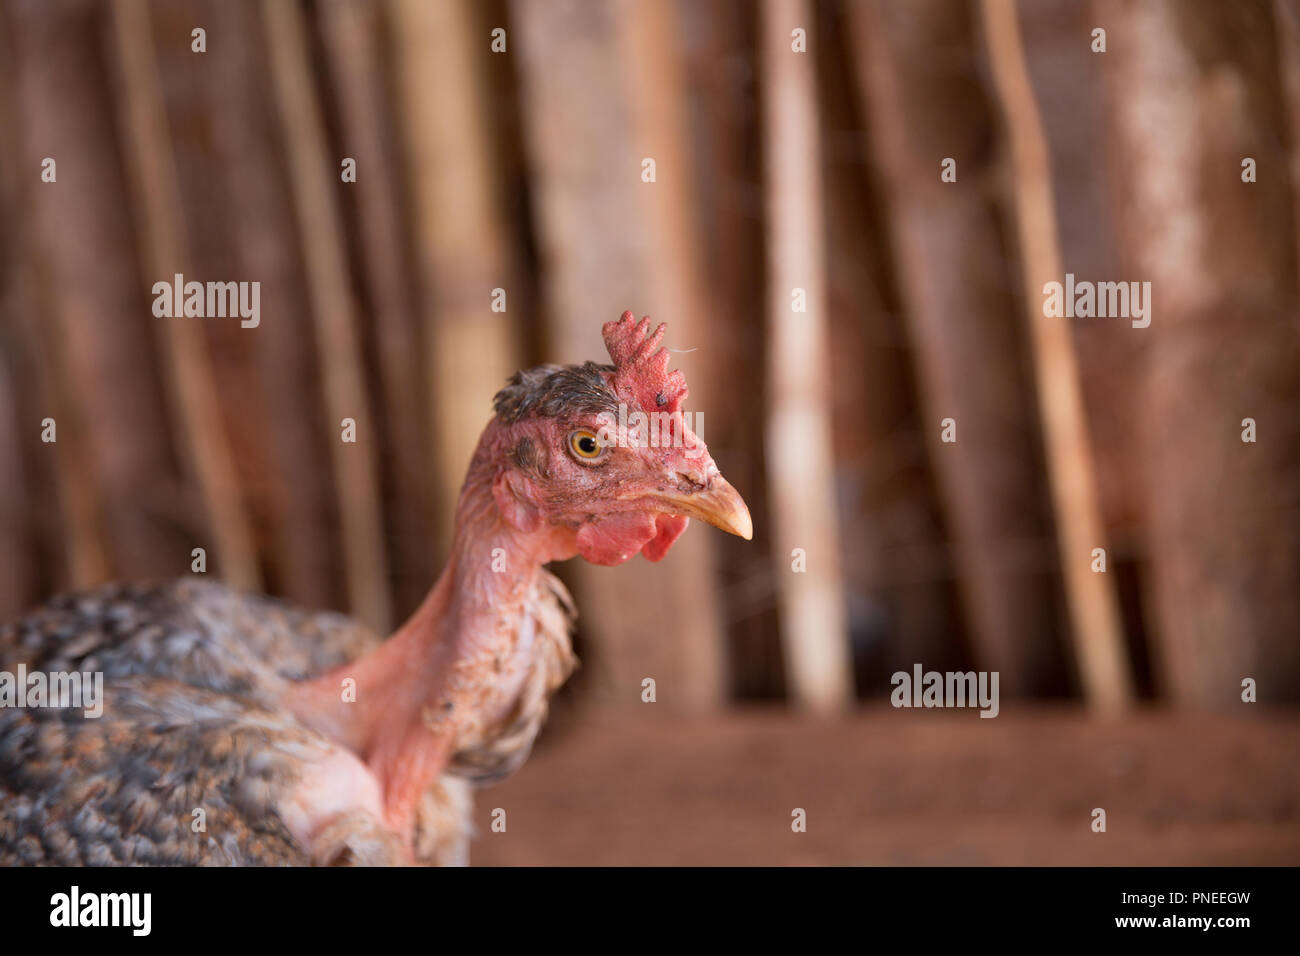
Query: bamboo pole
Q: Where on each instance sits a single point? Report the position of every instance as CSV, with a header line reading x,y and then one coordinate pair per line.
x,y
964,331
723,143
799,461
1286,15
81,507
462,250
351,33
16,577
18,502
192,389
1092,600
16,571
333,311
600,96
82,546
90,327
649,39
62,513
303,552
82,539
1194,88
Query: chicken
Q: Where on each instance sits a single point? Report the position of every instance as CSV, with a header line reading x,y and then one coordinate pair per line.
x,y
240,730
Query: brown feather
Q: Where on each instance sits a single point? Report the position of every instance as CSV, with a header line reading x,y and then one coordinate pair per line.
x,y
192,673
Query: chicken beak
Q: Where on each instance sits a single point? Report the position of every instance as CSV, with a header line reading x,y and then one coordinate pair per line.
x,y
719,504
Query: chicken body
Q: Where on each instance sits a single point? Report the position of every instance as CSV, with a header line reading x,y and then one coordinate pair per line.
x,y
194,758
238,729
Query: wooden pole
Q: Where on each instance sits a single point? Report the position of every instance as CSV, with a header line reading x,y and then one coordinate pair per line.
x,y
1286,14
1195,87
599,98
1092,599
963,327
462,250
799,462
293,464
64,511
353,42
197,423
334,313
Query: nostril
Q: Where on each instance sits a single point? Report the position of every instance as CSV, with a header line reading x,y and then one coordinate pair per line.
x,y
691,481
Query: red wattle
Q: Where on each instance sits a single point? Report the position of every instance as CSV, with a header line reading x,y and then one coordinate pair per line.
x,y
614,539
669,529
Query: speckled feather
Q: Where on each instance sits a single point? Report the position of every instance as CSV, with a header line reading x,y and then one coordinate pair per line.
x,y
192,675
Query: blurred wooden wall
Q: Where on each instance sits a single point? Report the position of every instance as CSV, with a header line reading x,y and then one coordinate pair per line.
x,y
521,170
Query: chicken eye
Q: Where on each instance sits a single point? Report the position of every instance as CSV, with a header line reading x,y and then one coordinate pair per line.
x,y
585,445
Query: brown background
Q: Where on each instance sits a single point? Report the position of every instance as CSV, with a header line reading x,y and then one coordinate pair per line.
x,y
522,171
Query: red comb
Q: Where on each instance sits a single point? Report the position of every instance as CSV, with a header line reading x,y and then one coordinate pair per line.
x,y
639,367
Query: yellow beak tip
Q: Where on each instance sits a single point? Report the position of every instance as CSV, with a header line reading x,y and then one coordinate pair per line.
x,y
720,506
726,510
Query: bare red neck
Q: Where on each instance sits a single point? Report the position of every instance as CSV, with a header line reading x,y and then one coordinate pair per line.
x,y
454,667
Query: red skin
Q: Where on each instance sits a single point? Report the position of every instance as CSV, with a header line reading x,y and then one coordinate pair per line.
x,y
605,513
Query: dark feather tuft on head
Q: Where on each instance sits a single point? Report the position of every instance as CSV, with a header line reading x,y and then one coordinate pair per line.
x,y
555,390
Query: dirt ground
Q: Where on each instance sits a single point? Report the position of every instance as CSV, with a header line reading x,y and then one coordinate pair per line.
x,y
899,787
